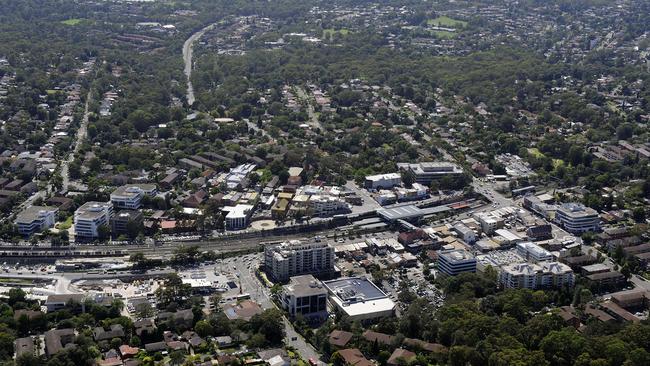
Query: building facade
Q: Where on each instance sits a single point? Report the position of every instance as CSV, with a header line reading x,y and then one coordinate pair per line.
x,y
35,218
533,252
577,218
534,276
383,181
90,217
456,261
295,258
427,172
305,295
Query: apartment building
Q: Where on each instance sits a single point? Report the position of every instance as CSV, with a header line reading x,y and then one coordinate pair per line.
x,y
35,219
295,258
325,206
90,217
534,276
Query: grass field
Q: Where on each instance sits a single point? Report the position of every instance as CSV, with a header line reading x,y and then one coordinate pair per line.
x,y
66,224
74,21
535,152
327,33
538,154
445,34
447,22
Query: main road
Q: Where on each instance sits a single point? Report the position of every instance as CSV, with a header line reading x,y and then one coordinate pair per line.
x,y
82,132
188,50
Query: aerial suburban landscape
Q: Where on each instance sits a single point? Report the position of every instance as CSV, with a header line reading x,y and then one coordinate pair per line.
x,y
324,182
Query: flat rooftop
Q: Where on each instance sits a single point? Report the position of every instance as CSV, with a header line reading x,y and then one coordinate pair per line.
x,y
33,213
357,296
409,212
354,289
306,285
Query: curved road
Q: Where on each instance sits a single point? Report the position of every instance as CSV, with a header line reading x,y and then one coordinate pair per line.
x,y
188,50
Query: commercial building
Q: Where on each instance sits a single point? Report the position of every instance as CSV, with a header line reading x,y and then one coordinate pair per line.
x,y
325,206
455,261
295,258
305,295
577,219
380,181
237,216
468,235
427,172
120,223
533,276
533,252
35,218
359,298
130,196
90,217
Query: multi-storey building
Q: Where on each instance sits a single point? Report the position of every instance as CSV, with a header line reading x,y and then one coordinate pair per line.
x,y
576,218
295,258
35,218
130,196
533,276
120,222
380,181
325,206
305,295
427,172
533,252
455,261
90,217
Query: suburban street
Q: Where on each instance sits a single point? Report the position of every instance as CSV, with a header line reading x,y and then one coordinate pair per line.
x,y
188,50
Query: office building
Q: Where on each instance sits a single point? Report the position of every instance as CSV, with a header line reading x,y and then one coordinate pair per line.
x,y
427,172
305,295
237,216
577,219
121,221
359,298
534,276
294,258
455,261
383,181
533,252
90,217
130,196
35,219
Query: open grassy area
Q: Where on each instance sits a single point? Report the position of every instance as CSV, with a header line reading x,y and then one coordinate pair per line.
x,y
538,154
445,34
447,22
327,33
74,21
535,152
66,224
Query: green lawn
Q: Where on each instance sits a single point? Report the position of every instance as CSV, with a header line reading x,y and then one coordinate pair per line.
x,y
445,34
327,33
66,224
538,154
447,22
535,152
73,21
